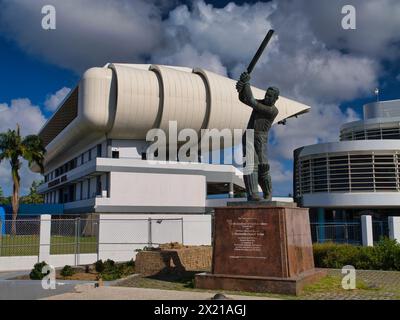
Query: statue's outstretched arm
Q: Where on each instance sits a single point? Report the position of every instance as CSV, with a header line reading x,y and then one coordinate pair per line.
x,y
246,95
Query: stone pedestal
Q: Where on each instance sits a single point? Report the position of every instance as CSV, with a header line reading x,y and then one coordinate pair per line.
x,y
262,248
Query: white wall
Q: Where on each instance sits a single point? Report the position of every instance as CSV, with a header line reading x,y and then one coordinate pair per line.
x,y
144,189
129,148
133,232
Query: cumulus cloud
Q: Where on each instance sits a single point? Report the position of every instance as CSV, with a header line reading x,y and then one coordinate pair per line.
x,y
23,112
189,56
30,119
376,35
311,58
89,32
53,101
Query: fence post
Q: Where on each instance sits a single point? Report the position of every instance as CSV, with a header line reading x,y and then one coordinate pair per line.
x,y
98,237
1,234
149,240
394,228
77,232
366,230
182,230
45,237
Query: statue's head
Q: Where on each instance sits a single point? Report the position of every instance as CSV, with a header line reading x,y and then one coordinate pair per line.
x,y
271,96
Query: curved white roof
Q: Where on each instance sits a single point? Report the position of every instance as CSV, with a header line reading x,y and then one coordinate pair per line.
x,y
124,101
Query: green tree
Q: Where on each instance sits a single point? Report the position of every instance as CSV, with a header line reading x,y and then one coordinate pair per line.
x,y
33,197
3,200
14,147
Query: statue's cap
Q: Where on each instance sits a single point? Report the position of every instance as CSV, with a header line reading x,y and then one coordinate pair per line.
x,y
275,89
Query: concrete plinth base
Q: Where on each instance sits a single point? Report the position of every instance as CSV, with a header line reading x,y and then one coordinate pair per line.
x,y
261,247
291,286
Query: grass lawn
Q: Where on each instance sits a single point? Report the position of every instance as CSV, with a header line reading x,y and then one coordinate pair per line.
x,y
328,287
28,245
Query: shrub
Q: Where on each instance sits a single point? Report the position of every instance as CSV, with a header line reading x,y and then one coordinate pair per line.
x,y
130,263
387,254
112,271
383,256
67,271
36,272
99,266
109,265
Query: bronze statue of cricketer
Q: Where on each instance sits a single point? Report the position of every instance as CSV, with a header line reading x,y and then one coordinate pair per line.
x,y
262,117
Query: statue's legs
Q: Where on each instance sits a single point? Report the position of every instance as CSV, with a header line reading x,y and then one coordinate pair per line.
x,y
264,180
250,172
251,183
264,177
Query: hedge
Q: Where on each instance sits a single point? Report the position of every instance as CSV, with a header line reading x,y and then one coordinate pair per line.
x,y
385,255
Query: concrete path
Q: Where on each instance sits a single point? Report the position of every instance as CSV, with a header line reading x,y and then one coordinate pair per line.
x,y
124,293
32,289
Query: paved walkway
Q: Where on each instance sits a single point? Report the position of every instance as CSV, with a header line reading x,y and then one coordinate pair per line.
x,y
124,293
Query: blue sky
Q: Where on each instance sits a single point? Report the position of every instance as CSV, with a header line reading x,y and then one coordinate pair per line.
x,y
312,59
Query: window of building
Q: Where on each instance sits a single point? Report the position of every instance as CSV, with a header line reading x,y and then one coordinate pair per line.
x,y
98,186
88,189
115,154
99,150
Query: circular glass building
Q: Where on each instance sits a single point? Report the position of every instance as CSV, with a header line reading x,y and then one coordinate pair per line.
x,y
358,175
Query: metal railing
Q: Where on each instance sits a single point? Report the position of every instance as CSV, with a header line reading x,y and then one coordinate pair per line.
x,y
380,229
346,232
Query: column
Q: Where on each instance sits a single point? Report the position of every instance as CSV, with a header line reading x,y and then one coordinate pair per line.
x,y
394,228
45,235
366,230
231,190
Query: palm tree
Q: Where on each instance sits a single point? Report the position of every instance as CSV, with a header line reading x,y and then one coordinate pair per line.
x,y
13,147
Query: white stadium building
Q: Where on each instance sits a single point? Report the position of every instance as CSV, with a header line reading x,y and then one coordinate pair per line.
x,y
96,140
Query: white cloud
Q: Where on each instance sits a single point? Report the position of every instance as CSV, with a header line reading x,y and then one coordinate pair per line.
x,y
21,111
377,33
54,100
189,56
89,32
30,119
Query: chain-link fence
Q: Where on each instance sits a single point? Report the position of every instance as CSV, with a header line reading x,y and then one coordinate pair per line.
x,y
81,236
74,236
20,237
